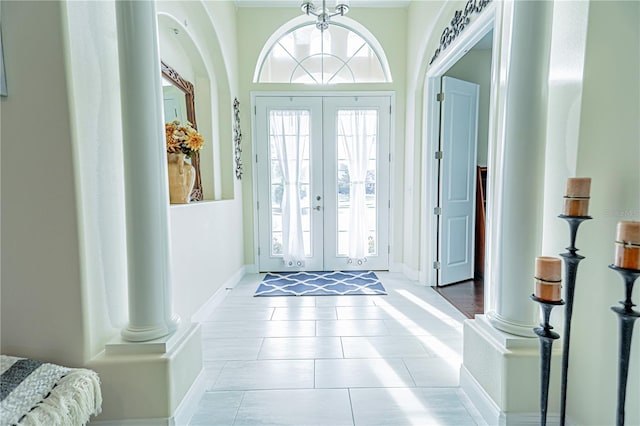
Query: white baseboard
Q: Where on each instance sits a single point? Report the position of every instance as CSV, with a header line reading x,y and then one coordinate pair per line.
x,y
484,404
396,267
214,301
490,411
235,278
189,404
410,273
134,422
251,269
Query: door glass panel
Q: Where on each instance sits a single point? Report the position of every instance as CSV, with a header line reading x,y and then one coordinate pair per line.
x,y
356,183
289,135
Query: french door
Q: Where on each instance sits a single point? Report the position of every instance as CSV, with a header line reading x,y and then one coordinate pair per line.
x,y
322,182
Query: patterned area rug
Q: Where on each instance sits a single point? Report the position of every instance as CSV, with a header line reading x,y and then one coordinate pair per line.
x,y
320,284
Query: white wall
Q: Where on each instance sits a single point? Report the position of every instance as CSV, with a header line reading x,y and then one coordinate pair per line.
x,y
207,237
95,114
608,152
425,22
475,67
43,306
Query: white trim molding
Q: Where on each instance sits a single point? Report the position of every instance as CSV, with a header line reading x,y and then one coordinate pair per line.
x,y
214,301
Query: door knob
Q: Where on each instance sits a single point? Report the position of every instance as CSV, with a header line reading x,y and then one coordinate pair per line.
x,y
317,208
318,197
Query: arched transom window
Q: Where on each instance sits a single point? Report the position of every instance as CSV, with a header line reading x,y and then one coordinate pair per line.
x,y
346,52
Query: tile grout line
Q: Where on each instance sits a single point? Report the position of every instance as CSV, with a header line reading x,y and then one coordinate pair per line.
x,y
235,416
353,416
415,384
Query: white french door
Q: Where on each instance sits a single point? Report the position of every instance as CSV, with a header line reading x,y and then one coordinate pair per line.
x,y
322,182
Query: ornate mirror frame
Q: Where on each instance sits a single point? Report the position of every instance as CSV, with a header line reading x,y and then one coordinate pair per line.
x,y
187,87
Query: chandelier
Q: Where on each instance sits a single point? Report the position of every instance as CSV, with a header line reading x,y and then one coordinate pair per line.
x,y
322,13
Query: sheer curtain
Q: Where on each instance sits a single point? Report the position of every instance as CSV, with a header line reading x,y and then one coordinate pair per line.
x,y
354,126
289,140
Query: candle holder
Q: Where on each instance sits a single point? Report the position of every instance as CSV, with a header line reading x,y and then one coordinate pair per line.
x,y
546,337
571,261
626,317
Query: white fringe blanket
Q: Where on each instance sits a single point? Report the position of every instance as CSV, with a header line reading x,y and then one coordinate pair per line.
x,y
40,394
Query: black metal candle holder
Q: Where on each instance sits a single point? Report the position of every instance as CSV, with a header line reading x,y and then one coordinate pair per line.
x,y
571,261
626,317
546,337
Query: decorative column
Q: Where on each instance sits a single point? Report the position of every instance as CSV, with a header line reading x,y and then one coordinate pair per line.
x,y
515,221
146,194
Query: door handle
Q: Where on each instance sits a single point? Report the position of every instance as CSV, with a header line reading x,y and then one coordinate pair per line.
x,y
318,208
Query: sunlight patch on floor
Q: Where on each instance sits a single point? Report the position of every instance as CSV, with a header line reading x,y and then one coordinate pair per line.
x,y
432,342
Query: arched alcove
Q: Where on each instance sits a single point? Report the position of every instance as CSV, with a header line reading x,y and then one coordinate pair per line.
x,y
179,51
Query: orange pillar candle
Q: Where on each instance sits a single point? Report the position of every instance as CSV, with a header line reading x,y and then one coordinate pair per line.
x,y
628,245
548,279
576,197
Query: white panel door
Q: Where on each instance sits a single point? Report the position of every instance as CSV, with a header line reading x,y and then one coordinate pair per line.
x,y
322,182
459,129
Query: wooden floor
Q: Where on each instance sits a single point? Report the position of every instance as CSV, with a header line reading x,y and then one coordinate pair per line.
x,y
467,296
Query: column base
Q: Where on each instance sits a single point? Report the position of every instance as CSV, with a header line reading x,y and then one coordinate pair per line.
x,y
144,334
149,381
517,329
500,373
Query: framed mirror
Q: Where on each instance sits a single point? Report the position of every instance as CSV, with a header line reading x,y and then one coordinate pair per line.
x,y
181,108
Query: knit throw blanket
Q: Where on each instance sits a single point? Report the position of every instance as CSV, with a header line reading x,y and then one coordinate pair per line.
x,y
37,393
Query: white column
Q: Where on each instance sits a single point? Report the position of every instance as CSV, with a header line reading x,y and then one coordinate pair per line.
x,y
147,200
515,222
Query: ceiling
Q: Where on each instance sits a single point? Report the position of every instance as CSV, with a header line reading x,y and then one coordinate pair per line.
x,y
330,3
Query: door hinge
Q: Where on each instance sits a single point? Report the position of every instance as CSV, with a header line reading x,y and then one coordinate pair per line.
x,y
256,158
258,251
389,157
389,109
388,249
436,265
389,203
255,110
438,155
437,211
258,205
440,97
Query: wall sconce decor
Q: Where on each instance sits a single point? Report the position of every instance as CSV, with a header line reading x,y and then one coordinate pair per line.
x,y
237,138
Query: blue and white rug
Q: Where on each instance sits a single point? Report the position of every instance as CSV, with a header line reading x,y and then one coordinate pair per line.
x,y
320,284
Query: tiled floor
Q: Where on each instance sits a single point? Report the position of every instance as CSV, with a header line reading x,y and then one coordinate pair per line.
x,y
334,360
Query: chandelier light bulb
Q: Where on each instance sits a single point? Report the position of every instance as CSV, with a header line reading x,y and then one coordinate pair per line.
x,y
342,7
307,7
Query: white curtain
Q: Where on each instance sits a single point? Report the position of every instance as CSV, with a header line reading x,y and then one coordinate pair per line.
x,y
288,148
355,124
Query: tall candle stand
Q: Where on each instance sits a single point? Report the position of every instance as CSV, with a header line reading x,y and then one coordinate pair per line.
x,y
571,261
546,337
626,317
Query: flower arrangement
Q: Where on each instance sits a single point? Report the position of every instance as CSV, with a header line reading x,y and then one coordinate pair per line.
x,y
182,138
